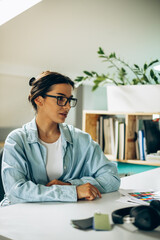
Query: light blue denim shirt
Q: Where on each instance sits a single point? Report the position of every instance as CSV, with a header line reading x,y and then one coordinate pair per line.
x,y
24,173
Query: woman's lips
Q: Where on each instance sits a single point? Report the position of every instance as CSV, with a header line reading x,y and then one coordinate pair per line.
x,y
63,114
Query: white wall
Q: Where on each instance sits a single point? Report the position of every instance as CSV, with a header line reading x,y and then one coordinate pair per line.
x,y
64,36
14,94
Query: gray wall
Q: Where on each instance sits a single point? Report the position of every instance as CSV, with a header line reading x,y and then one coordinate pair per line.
x,y
64,36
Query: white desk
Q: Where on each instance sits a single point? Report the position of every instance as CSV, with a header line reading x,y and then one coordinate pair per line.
x,y
49,221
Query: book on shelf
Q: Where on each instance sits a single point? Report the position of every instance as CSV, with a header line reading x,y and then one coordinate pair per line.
x,y
136,139
101,132
109,136
121,154
112,134
142,145
152,136
116,146
97,131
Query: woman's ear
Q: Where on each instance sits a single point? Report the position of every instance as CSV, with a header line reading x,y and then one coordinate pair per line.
x,y
39,101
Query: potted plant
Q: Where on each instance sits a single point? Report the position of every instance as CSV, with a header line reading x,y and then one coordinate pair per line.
x,y
129,84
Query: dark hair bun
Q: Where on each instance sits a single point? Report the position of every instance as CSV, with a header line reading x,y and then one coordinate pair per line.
x,y
31,81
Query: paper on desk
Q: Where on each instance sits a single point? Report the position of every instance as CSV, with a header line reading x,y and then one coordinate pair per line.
x,y
126,199
133,196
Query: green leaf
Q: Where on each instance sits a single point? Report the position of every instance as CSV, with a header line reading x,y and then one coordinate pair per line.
x,y
122,73
153,62
94,87
136,66
145,67
94,73
112,55
100,51
135,81
100,79
88,73
102,56
79,79
110,66
97,82
123,70
155,79
152,73
145,79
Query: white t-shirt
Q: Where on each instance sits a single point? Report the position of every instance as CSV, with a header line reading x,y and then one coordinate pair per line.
x,y
54,163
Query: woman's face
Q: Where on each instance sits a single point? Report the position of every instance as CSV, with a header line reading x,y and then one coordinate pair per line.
x,y
49,108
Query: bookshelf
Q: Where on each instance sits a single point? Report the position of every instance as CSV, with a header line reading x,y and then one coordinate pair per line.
x,y
89,125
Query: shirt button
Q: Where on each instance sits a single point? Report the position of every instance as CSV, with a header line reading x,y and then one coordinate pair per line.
x,y
64,167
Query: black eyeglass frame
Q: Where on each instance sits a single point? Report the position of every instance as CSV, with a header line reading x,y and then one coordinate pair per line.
x,y
67,100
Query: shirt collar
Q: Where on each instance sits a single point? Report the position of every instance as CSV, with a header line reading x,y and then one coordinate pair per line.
x,y
32,132
66,134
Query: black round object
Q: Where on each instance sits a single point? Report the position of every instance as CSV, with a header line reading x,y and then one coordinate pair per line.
x,y
146,217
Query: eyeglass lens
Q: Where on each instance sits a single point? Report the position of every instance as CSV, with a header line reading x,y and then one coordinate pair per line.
x,y
62,101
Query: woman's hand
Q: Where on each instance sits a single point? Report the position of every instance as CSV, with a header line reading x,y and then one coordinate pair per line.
x,y
88,191
56,182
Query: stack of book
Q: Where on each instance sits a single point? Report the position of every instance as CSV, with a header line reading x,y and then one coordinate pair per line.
x,y
148,141
111,136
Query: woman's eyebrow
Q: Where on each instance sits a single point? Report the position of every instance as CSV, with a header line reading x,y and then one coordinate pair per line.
x,y
63,94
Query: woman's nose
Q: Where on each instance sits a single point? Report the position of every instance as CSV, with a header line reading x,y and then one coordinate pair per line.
x,y
67,106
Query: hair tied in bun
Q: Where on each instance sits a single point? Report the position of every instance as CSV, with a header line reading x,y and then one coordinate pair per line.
x,y
31,81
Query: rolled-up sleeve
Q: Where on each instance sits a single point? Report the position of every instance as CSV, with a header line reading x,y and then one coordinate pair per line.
x,y
97,169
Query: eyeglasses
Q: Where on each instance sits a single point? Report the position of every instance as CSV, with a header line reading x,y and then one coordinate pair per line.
x,y
62,101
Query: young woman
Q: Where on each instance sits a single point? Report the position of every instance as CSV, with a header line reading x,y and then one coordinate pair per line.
x,y
48,160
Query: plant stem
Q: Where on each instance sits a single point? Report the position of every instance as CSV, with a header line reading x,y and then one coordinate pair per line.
x,y
111,80
113,64
126,64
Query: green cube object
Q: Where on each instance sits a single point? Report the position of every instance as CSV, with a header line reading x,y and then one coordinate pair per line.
x,y
101,222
